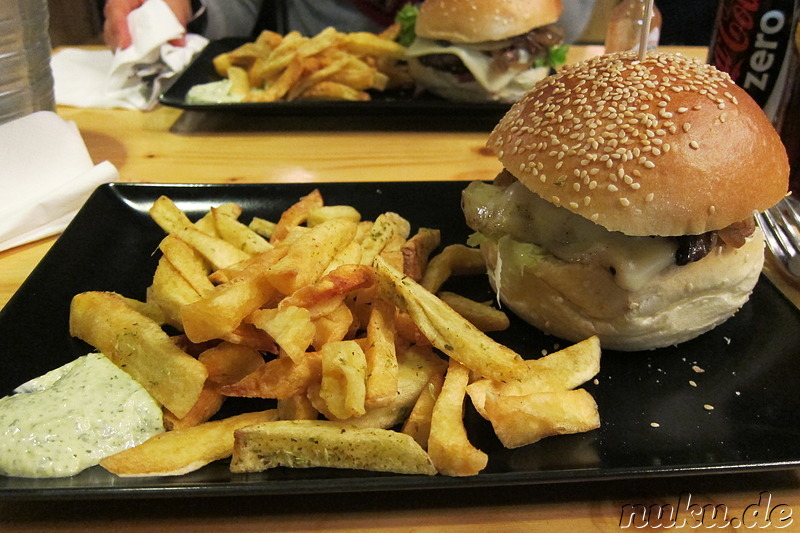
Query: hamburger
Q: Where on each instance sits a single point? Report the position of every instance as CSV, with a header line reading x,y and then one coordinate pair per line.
x,y
485,50
625,207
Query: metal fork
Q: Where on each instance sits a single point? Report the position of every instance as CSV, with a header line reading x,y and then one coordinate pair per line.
x,y
781,227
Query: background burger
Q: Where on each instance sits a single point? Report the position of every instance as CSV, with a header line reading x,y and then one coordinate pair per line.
x,y
626,205
485,50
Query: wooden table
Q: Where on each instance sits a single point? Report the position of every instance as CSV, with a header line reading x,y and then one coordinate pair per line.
x,y
167,145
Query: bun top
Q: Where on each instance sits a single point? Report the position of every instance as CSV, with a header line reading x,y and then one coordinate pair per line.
x,y
664,146
474,21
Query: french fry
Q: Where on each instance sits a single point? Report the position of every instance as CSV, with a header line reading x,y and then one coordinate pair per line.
x,y
222,62
262,226
188,263
455,259
297,407
418,423
218,252
227,362
319,443
325,294
567,368
319,215
174,221
448,446
238,234
170,292
139,346
309,256
206,222
168,216
319,70
349,255
182,451
278,59
207,405
416,368
250,336
325,39
223,310
562,370
483,316
358,75
387,228
290,326
278,89
240,81
381,356
280,378
269,39
334,326
296,214
448,331
417,250
369,44
344,369
523,420
149,308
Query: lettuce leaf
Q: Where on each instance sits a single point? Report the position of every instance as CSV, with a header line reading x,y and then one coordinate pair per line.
x,y
556,56
407,18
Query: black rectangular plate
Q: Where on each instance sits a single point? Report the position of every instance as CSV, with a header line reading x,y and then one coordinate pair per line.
x,y
389,104
750,363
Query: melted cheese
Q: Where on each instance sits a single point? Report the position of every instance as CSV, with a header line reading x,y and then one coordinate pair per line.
x,y
520,213
479,64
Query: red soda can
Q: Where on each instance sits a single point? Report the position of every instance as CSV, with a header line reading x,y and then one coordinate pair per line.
x,y
756,42
752,41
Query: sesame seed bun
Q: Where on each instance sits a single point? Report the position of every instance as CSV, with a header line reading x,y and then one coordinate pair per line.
x,y
575,300
474,21
665,146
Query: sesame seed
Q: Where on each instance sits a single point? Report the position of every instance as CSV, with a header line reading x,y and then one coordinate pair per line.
x,y
694,144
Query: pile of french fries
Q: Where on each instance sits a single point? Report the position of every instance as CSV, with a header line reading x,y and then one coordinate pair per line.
x,y
328,66
337,319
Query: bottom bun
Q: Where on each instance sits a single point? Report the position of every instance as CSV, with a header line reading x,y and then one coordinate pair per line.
x,y
574,301
452,88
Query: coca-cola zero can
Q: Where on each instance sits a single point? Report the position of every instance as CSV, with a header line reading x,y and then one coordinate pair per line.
x,y
755,41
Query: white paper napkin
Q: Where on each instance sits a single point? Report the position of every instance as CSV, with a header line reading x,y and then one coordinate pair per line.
x,y
131,78
47,175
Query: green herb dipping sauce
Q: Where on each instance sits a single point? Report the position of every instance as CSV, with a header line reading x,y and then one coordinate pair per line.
x,y
68,419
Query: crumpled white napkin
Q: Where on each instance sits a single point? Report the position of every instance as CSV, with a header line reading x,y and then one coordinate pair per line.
x,y
131,78
47,175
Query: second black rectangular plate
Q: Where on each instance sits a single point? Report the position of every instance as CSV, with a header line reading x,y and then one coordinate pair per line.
x,y
390,104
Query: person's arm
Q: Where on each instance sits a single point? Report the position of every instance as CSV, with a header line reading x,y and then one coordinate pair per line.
x,y
115,28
